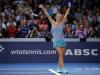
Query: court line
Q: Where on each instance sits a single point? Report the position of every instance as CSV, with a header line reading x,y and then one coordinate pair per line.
x,y
54,72
22,69
25,72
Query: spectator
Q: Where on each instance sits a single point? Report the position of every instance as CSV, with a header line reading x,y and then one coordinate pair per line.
x,y
80,32
89,16
84,21
1,35
78,15
83,12
34,33
98,18
42,33
11,30
17,17
91,32
94,23
98,32
68,32
23,29
43,25
11,22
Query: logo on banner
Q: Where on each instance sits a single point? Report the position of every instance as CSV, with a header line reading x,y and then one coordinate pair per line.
x,y
82,52
1,48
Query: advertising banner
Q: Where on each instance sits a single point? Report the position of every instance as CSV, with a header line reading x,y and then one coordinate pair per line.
x,y
43,52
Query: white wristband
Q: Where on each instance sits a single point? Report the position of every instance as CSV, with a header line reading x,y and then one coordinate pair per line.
x,y
69,4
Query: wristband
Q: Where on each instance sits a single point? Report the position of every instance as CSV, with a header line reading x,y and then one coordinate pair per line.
x,y
69,4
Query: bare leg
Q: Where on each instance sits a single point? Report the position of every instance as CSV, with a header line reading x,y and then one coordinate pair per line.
x,y
61,52
62,61
60,56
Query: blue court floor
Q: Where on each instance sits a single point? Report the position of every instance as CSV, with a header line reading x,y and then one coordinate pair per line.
x,y
49,69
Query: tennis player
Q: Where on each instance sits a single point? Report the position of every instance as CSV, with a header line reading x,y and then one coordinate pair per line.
x,y
58,36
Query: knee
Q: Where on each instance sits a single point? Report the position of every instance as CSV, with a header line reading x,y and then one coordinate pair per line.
x,y
61,54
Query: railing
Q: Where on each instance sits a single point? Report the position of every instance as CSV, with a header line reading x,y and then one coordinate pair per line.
x,y
44,40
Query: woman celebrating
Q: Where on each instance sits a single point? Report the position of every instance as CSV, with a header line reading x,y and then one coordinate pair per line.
x,y
58,36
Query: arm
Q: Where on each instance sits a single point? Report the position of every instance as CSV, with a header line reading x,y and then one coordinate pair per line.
x,y
28,34
66,14
46,13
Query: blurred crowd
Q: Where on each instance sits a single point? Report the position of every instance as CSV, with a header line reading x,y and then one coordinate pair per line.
x,y
24,19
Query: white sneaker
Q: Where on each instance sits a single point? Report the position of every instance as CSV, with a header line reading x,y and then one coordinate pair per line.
x,y
63,70
59,70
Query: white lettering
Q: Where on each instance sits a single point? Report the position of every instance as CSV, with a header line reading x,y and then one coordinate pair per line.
x,y
77,52
68,52
94,52
86,52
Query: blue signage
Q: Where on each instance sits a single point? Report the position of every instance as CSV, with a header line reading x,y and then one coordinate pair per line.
x,y
43,52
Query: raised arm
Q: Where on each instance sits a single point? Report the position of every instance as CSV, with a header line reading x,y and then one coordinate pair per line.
x,y
68,10
46,13
66,14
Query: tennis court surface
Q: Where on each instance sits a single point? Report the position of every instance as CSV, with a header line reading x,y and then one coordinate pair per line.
x,y
48,69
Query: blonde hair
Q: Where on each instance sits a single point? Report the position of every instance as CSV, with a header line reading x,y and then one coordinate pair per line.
x,y
58,15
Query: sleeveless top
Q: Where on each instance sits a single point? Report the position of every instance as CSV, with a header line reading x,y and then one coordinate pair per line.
x,y
57,32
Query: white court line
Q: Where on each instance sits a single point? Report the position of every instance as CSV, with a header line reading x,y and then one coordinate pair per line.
x,y
25,72
54,72
30,72
22,69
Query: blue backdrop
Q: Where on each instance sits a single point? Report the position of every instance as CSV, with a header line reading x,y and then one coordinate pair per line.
x,y
42,52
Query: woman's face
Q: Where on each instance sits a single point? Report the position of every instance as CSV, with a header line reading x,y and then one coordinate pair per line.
x,y
59,17
81,28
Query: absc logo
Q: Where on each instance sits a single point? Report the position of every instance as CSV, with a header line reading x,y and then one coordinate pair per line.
x,y
1,48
